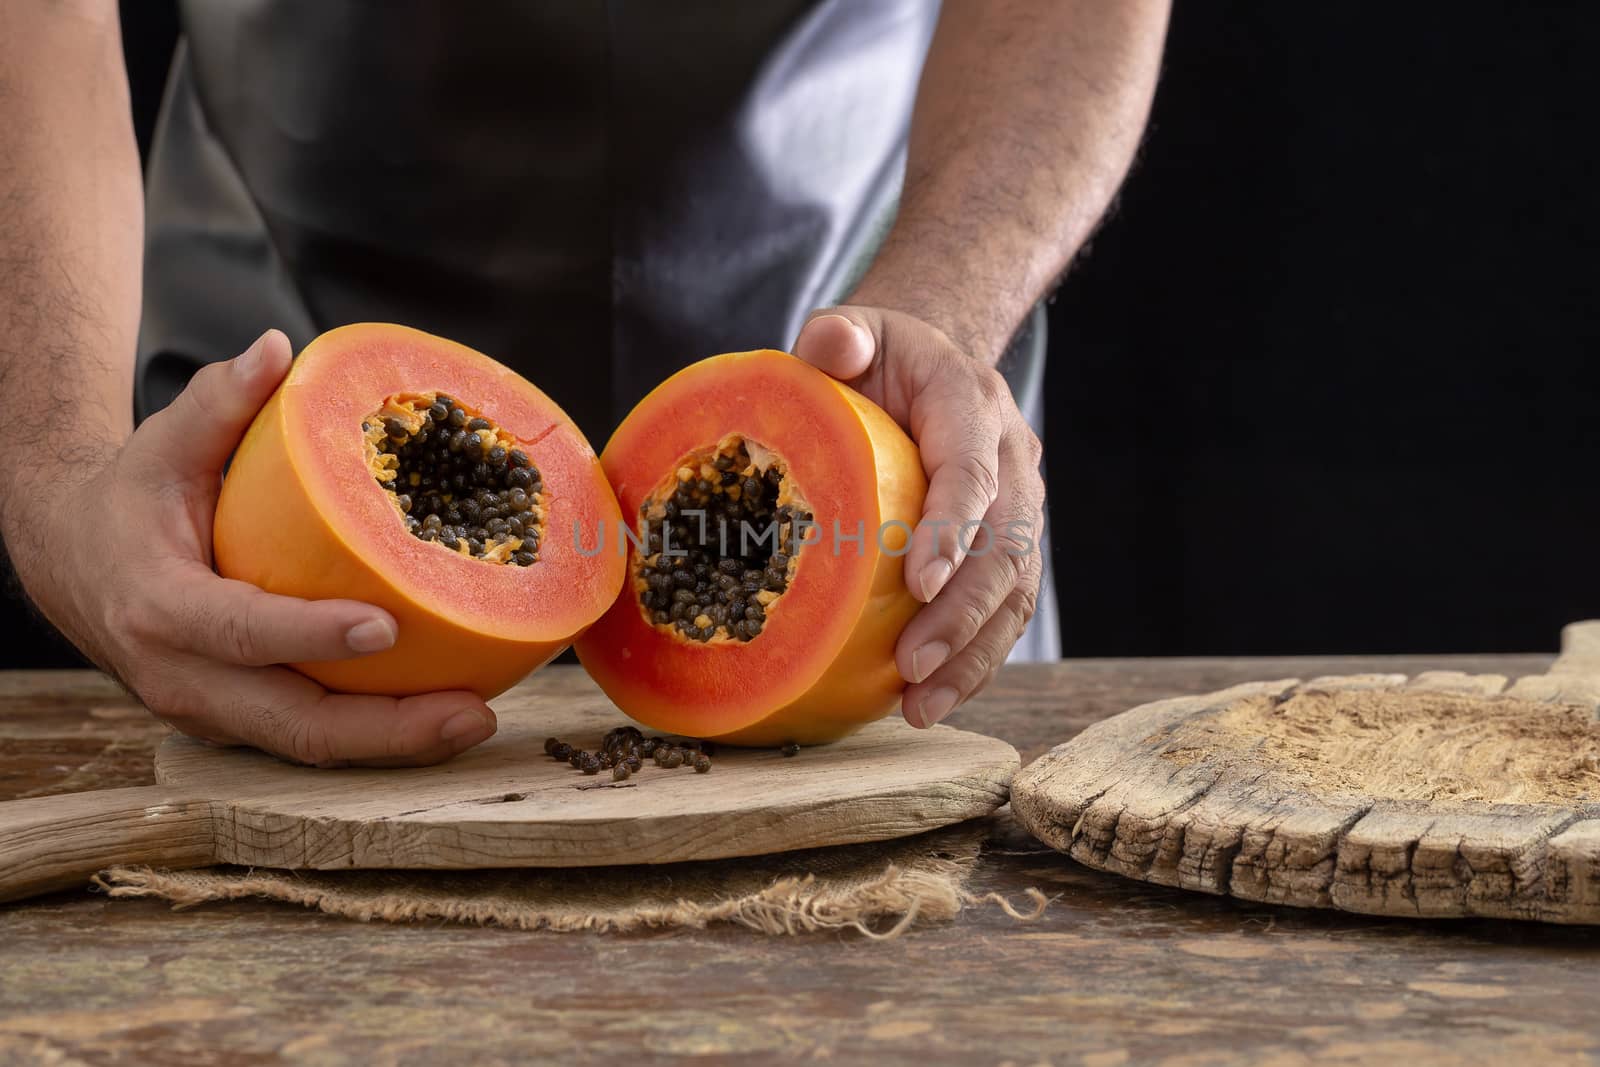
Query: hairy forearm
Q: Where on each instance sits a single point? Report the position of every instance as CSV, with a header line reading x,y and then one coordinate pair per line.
x,y
71,231
1027,118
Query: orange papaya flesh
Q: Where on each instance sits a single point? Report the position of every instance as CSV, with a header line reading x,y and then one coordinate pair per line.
x,y
822,664
305,512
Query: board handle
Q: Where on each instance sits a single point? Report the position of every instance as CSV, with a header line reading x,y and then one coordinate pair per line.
x,y
59,842
1580,650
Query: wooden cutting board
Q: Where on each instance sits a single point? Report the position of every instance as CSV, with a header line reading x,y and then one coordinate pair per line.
x,y
1442,795
505,804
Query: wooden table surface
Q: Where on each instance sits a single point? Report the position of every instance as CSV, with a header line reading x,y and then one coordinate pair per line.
x,y
1115,971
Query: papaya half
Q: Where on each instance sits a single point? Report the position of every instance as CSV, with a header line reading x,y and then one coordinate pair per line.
x,y
413,473
768,510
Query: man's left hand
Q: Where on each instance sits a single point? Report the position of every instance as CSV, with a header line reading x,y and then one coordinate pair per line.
x,y
975,557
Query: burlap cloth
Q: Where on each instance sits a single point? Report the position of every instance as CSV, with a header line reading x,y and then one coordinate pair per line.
x,y
878,890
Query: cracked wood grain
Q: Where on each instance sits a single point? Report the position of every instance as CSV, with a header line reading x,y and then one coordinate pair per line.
x,y
1446,818
53,843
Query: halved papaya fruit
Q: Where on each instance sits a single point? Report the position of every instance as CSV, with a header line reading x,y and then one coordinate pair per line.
x,y
769,508
413,473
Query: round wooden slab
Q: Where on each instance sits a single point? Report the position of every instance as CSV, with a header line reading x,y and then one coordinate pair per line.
x,y
507,804
1443,795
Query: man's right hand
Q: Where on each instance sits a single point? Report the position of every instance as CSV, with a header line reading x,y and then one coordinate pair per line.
x,y
121,562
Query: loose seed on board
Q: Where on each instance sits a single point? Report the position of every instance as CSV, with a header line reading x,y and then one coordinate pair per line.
x,y
791,749
624,749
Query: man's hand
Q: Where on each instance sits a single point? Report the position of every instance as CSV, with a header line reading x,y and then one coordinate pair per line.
x,y
122,564
974,558
1027,116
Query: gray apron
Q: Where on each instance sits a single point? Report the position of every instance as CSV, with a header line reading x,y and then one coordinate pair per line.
x,y
595,193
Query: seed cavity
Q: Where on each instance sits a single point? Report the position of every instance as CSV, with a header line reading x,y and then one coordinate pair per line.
x,y
456,479
721,540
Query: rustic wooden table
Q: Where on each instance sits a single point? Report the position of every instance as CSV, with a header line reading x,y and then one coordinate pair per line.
x,y
1115,971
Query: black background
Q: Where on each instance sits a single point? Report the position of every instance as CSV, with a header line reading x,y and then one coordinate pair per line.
x,y
1326,379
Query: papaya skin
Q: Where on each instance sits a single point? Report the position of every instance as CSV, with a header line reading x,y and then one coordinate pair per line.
x,y
301,515
824,664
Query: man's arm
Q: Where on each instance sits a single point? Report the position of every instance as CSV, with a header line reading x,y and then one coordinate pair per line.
x,y
71,235
1026,120
109,528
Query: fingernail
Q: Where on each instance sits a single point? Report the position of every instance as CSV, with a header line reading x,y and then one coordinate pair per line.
x,y
250,358
933,577
374,635
466,728
862,335
927,659
937,704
